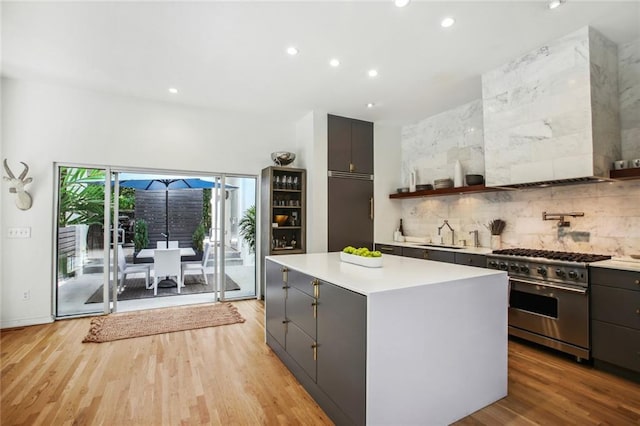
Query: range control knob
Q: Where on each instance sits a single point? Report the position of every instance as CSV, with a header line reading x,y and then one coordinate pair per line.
x,y
493,264
573,274
503,266
514,267
524,268
541,270
560,272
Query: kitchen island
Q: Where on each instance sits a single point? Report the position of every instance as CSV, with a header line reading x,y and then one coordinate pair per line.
x,y
413,342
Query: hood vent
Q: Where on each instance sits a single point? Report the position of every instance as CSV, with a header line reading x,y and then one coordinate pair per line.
x,y
551,116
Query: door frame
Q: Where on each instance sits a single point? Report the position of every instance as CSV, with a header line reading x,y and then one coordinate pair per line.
x,y
109,170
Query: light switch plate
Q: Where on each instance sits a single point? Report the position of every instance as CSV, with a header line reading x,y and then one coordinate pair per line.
x,y
19,232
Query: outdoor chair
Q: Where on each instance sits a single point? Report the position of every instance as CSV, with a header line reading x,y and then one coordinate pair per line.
x,y
198,266
163,244
125,268
166,262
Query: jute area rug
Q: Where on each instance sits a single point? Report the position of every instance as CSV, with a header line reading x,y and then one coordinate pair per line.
x,y
164,320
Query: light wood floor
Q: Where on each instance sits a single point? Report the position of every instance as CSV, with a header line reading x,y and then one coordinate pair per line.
x,y
227,375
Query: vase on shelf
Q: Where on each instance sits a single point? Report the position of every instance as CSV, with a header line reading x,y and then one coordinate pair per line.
x,y
496,242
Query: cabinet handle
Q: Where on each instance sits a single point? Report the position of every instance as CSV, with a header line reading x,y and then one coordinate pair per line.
x,y
352,167
637,282
638,311
315,351
285,274
426,254
315,309
371,208
316,289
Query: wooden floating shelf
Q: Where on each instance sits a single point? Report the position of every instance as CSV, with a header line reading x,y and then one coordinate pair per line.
x,y
633,173
445,191
286,227
287,190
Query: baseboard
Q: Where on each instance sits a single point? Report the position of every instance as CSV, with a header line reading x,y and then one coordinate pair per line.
x,y
25,322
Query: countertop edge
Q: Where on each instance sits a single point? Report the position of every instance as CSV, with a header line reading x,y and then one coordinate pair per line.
x,y
466,250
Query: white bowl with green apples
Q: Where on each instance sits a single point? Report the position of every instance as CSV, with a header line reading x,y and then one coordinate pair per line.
x,y
361,256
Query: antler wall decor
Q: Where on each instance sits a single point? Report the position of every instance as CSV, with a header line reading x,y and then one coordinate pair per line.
x,y
16,186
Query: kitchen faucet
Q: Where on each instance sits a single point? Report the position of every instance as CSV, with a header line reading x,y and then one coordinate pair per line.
x,y
446,222
476,242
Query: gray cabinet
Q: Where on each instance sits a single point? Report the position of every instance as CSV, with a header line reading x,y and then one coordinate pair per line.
x,y
615,320
319,331
350,145
276,292
388,249
342,346
428,254
478,260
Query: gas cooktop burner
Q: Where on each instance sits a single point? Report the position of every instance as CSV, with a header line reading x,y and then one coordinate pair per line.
x,y
555,255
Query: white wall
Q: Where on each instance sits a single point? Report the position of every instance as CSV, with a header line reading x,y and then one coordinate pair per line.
x,y
43,124
387,178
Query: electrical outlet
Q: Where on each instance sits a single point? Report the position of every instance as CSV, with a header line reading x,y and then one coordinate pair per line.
x,y
26,295
19,232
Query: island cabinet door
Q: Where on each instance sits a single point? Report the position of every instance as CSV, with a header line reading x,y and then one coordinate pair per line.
x,y
301,310
342,345
303,282
275,298
302,349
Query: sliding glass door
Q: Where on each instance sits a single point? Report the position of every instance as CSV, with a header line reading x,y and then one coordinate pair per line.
x,y
82,255
114,220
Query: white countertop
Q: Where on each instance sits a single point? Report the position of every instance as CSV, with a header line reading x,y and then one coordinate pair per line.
x,y
462,249
397,272
621,263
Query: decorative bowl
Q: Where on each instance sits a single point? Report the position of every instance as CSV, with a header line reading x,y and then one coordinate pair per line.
x,y
281,219
402,190
424,187
368,262
474,179
283,158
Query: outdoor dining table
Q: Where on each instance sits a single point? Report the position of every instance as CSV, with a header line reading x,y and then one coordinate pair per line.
x,y
149,253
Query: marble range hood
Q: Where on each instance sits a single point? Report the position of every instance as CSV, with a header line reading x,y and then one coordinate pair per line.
x,y
551,116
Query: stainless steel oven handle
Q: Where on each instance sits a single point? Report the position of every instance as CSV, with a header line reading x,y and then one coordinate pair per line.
x,y
559,287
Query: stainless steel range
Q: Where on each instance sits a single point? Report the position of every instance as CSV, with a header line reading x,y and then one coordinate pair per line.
x,y
548,296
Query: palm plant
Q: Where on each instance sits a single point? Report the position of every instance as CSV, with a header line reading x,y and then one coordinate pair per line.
x,y
80,203
247,228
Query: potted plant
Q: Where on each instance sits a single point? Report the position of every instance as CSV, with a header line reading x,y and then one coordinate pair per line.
x,y
247,228
198,238
140,235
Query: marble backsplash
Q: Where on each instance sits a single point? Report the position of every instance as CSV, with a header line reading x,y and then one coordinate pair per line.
x,y
611,222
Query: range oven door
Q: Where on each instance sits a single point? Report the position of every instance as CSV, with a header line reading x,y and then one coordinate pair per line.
x,y
552,314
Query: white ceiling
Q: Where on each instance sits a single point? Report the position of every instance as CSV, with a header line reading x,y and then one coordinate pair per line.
x,y
231,55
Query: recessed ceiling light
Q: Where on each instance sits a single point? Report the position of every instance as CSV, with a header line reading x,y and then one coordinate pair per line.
x,y
373,73
173,90
334,62
370,105
292,51
447,22
401,3
555,4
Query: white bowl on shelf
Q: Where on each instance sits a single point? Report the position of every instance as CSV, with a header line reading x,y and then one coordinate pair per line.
x,y
369,262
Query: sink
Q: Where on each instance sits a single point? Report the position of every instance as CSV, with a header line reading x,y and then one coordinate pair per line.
x,y
439,246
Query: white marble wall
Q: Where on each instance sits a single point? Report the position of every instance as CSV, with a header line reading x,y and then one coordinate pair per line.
x,y
432,146
611,224
538,112
629,89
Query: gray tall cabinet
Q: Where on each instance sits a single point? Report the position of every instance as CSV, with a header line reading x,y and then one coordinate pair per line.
x,y
350,186
319,331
